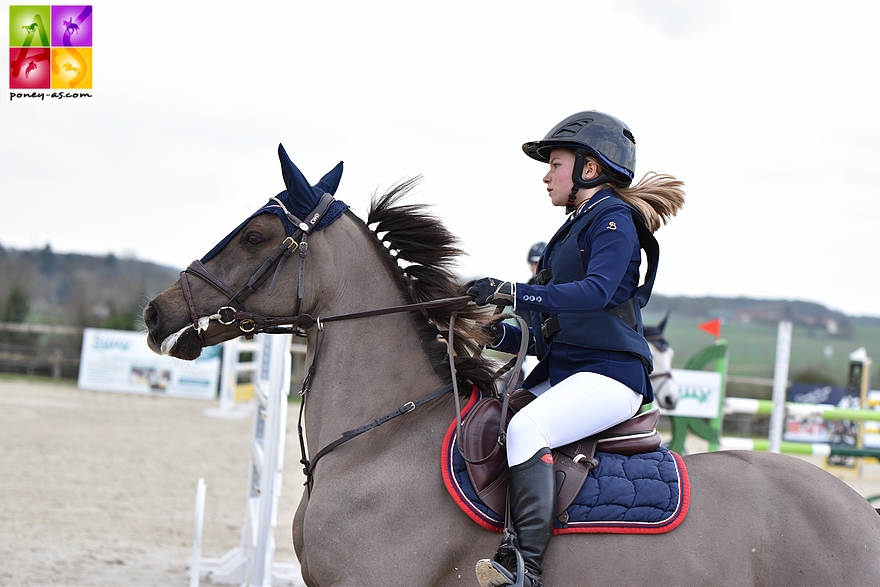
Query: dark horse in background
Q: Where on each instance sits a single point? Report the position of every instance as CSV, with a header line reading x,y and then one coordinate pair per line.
x,y
377,512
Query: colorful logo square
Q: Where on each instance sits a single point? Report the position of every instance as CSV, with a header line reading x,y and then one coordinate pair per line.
x,y
72,68
71,26
29,68
30,26
50,47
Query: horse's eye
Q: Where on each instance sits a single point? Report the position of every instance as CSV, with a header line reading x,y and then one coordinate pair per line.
x,y
254,238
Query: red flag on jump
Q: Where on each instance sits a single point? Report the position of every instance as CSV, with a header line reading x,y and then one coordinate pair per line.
x,y
713,327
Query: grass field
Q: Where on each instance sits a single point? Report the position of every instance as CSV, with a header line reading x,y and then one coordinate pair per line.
x,y
816,357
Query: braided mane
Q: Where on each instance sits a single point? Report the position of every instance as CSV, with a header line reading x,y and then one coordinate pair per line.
x,y
419,250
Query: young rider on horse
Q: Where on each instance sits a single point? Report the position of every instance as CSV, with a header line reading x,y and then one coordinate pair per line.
x,y
586,325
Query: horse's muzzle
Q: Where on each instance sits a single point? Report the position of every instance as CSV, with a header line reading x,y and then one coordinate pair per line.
x,y
182,344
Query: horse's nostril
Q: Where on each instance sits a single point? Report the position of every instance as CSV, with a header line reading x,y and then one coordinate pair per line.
x,y
151,317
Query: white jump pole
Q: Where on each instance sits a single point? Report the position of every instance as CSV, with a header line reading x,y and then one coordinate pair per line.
x,y
198,526
270,392
252,564
780,385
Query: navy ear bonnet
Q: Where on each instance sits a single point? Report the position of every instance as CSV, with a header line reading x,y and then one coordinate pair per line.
x,y
295,203
655,334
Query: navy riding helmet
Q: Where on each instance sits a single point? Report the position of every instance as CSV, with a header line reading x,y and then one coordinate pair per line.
x,y
536,251
596,134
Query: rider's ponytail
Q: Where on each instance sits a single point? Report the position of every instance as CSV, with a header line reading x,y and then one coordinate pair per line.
x,y
658,196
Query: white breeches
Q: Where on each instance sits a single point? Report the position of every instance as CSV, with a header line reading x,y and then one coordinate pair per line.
x,y
577,407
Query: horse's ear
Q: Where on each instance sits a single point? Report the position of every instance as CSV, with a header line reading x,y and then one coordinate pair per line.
x,y
662,324
330,182
297,185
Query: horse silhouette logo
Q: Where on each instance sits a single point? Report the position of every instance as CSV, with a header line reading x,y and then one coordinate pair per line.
x,y
31,67
31,28
70,27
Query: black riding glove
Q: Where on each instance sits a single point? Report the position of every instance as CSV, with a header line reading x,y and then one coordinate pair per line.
x,y
492,291
495,332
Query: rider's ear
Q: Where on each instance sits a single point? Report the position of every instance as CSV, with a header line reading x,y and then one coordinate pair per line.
x,y
591,169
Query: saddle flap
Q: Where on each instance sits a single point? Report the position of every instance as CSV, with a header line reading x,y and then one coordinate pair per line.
x,y
519,398
480,431
485,457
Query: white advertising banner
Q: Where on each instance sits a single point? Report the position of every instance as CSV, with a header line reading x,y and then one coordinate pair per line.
x,y
120,360
700,394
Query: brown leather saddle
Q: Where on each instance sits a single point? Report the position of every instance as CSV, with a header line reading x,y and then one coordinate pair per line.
x,y
486,457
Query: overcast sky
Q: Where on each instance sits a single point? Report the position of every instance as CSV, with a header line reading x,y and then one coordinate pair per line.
x,y
768,111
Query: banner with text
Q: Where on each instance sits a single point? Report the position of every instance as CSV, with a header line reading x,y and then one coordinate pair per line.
x,y
700,394
120,360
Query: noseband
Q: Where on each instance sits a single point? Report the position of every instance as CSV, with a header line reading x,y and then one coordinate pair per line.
x,y
660,376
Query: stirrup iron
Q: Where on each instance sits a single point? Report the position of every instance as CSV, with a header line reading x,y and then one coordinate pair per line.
x,y
491,573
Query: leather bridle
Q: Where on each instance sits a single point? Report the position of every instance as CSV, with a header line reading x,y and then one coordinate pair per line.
x,y
233,310
658,376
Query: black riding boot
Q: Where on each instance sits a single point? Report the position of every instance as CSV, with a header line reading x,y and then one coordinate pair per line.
x,y
532,498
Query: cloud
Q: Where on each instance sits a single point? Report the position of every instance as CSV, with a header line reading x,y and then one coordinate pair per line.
x,y
676,19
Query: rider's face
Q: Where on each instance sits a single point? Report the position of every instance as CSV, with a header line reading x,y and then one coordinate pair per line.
x,y
558,179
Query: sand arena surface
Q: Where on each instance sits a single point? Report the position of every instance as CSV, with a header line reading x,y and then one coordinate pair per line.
x,y
99,488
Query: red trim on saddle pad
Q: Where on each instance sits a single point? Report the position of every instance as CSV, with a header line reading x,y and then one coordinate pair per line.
x,y
464,495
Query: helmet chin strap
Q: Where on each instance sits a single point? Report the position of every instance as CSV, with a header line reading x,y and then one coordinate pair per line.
x,y
569,205
578,181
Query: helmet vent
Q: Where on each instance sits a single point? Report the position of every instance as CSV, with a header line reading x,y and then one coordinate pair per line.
x,y
571,129
629,135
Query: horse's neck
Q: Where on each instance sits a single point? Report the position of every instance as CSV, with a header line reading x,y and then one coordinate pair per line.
x,y
364,367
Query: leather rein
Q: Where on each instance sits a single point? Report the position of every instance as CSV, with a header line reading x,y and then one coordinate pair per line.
x,y
251,324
